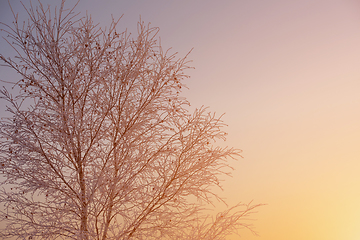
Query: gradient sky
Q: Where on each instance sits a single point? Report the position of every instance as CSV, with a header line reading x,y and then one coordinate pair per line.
x,y
287,75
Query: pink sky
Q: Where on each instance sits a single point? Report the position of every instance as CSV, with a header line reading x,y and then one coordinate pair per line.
x,y
286,73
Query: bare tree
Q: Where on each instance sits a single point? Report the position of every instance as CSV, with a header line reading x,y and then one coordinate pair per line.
x,y
99,144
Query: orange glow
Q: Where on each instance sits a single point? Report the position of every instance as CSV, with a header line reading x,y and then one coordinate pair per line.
x,y
287,75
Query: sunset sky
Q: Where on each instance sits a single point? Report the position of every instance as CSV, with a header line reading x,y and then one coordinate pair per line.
x,y
287,76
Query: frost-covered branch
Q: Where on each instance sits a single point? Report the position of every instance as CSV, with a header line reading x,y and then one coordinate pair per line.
x,y
100,144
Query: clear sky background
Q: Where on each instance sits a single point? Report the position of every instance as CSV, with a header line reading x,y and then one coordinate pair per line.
x,y
287,75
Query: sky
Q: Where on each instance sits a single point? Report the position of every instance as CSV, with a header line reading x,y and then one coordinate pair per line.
x,y
286,75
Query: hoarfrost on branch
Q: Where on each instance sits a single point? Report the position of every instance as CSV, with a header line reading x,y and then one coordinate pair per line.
x,y
100,144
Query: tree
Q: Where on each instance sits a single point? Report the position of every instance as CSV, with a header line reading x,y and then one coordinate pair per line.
x,y
100,144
